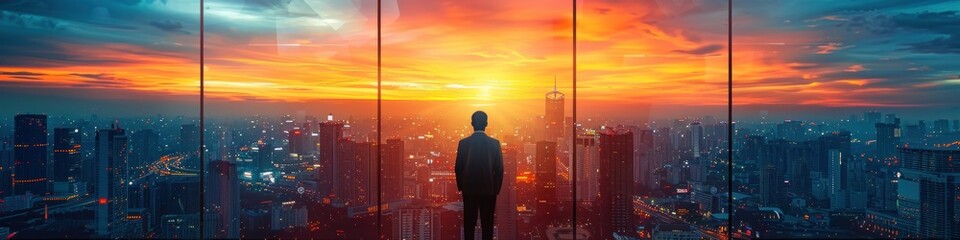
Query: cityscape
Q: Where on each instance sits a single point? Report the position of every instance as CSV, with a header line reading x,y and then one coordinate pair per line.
x,y
873,175
340,119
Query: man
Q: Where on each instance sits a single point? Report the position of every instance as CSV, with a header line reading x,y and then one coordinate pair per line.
x,y
479,171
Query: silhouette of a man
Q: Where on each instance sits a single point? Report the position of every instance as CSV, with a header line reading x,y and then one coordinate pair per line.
x,y
479,171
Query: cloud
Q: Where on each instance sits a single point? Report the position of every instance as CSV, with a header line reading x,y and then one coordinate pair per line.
x,y
702,50
831,47
100,80
941,23
169,26
21,73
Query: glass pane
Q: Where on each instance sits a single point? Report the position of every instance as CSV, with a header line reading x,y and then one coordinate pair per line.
x,y
290,107
652,119
95,94
845,127
441,62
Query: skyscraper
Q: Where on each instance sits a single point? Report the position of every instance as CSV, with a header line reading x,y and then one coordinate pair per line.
x,y
417,223
330,134
30,154
144,149
930,191
616,181
223,198
6,168
346,182
545,181
112,181
941,126
643,164
588,155
189,139
392,173
790,130
837,185
888,137
506,215
295,141
696,139
367,165
871,117
264,158
553,114
66,159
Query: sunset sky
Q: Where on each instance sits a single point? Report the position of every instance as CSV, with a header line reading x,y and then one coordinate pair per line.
x,y
279,55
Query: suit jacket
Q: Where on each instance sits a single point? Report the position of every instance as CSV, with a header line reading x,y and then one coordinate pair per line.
x,y
479,166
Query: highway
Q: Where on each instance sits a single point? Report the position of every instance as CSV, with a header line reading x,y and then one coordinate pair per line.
x,y
664,216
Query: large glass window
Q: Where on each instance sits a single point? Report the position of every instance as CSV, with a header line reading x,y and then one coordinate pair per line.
x,y
843,127
443,60
290,119
100,110
652,119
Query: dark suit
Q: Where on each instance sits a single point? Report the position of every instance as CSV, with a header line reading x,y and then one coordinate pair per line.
x,y
479,171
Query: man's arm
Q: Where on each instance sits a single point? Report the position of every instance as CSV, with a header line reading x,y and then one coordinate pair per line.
x,y
458,167
498,168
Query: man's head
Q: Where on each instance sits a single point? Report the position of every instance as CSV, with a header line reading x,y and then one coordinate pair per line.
x,y
479,121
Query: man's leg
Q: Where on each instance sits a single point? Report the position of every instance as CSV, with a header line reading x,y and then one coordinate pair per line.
x,y
470,208
487,209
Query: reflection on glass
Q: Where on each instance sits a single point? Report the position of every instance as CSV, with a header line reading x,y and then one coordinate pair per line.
x,y
290,111
80,154
842,126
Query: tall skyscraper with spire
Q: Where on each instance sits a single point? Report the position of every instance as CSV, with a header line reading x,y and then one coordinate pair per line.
x,y
553,114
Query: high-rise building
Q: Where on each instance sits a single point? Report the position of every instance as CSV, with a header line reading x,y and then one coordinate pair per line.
x,y
871,117
643,163
223,198
6,168
553,114
616,181
330,134
30,154
837,185
839,140
176,195
588,155
66,154
696,139
790,130
506,215
189,139
295,141
929,191
66,161
941,126
287,215
888,138
112,181
348,176
392,172
264,158
545,182
144,149
771,183
417,223
367,167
